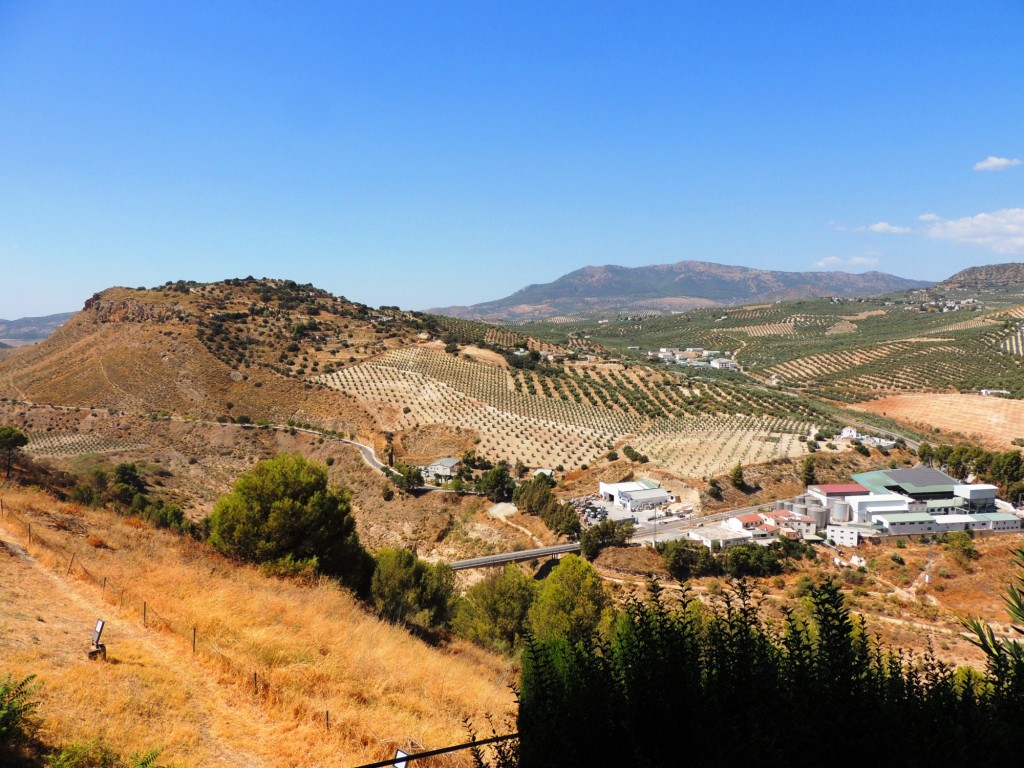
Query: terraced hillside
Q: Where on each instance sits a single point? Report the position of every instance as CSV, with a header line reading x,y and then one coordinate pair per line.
x,y
841,349
570,414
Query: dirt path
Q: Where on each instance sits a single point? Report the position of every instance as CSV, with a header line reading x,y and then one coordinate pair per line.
x,y
502,511
46,619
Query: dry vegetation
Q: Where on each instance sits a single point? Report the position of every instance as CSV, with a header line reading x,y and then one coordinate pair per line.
x,y
993,421
312,647
192,463
899,606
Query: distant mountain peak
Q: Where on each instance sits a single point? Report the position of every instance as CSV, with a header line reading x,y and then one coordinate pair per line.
x,y
684,285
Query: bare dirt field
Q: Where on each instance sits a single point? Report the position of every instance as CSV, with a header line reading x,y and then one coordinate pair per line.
x,y
994,421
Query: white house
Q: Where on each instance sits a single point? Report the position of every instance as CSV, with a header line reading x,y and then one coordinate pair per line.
x,y
442,469
709,535
724,364
747,522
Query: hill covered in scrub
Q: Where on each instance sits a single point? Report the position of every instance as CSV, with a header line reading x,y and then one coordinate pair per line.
x,y
234,348
989,277
675,287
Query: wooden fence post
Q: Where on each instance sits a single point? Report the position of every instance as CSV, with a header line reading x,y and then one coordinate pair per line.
x,y
193,641
143,613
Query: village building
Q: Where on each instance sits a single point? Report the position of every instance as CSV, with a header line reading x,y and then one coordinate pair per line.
x,y
442,469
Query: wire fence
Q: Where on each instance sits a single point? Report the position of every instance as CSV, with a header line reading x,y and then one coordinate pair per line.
x,y
70,562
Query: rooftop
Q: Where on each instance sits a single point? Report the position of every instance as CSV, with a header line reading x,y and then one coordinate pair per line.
x,y
448,462
905,517
919,480
837,488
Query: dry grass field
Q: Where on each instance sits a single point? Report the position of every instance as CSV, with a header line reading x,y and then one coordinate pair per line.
x,y
312,648
992,421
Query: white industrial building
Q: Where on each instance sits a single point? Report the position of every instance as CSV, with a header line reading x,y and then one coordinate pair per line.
x,y
864,508
851,534
636,495
646,498
904,523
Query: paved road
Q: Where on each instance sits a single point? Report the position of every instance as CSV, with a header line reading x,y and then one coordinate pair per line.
x,y
915,444
492,561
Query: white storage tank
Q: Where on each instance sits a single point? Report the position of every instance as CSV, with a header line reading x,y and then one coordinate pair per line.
x,y
819,514
841,512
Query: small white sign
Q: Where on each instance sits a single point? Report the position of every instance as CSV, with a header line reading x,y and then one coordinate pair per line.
x,y
400,754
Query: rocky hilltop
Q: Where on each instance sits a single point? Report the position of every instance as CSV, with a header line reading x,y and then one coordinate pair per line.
x,y
235,348
675,287
990,277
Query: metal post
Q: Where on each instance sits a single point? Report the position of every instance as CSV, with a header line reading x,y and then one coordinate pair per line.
x,y
327,715
255,688
143,613
71,564
103,589
193,641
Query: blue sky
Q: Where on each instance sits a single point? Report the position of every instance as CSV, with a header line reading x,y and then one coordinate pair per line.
x,y
449,153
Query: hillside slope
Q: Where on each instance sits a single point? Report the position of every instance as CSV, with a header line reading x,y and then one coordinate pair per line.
x,y
312,648
681,286
236,348
990,277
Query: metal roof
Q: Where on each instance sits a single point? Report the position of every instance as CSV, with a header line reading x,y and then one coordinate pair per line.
x,y
905,517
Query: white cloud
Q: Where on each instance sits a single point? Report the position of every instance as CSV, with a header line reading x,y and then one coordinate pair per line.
x,y
929,217
992,163
884,228
853,261
998,231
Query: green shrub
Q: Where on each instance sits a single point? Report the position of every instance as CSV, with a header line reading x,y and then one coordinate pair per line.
x,y
17,703
284,508
96,754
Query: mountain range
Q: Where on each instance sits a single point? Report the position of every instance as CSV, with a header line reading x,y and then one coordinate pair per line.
x,y
32,328
677,287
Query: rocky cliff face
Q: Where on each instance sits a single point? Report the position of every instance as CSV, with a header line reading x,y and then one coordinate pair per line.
x,y
104,308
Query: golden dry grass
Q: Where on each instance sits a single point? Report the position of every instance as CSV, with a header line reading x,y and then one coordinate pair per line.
x,y
993,421
313,648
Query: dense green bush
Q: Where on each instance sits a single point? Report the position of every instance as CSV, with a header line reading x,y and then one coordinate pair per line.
x,y
283,508
534,497
406,589
494,612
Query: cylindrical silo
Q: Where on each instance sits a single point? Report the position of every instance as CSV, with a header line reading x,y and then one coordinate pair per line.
x,y
841,512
